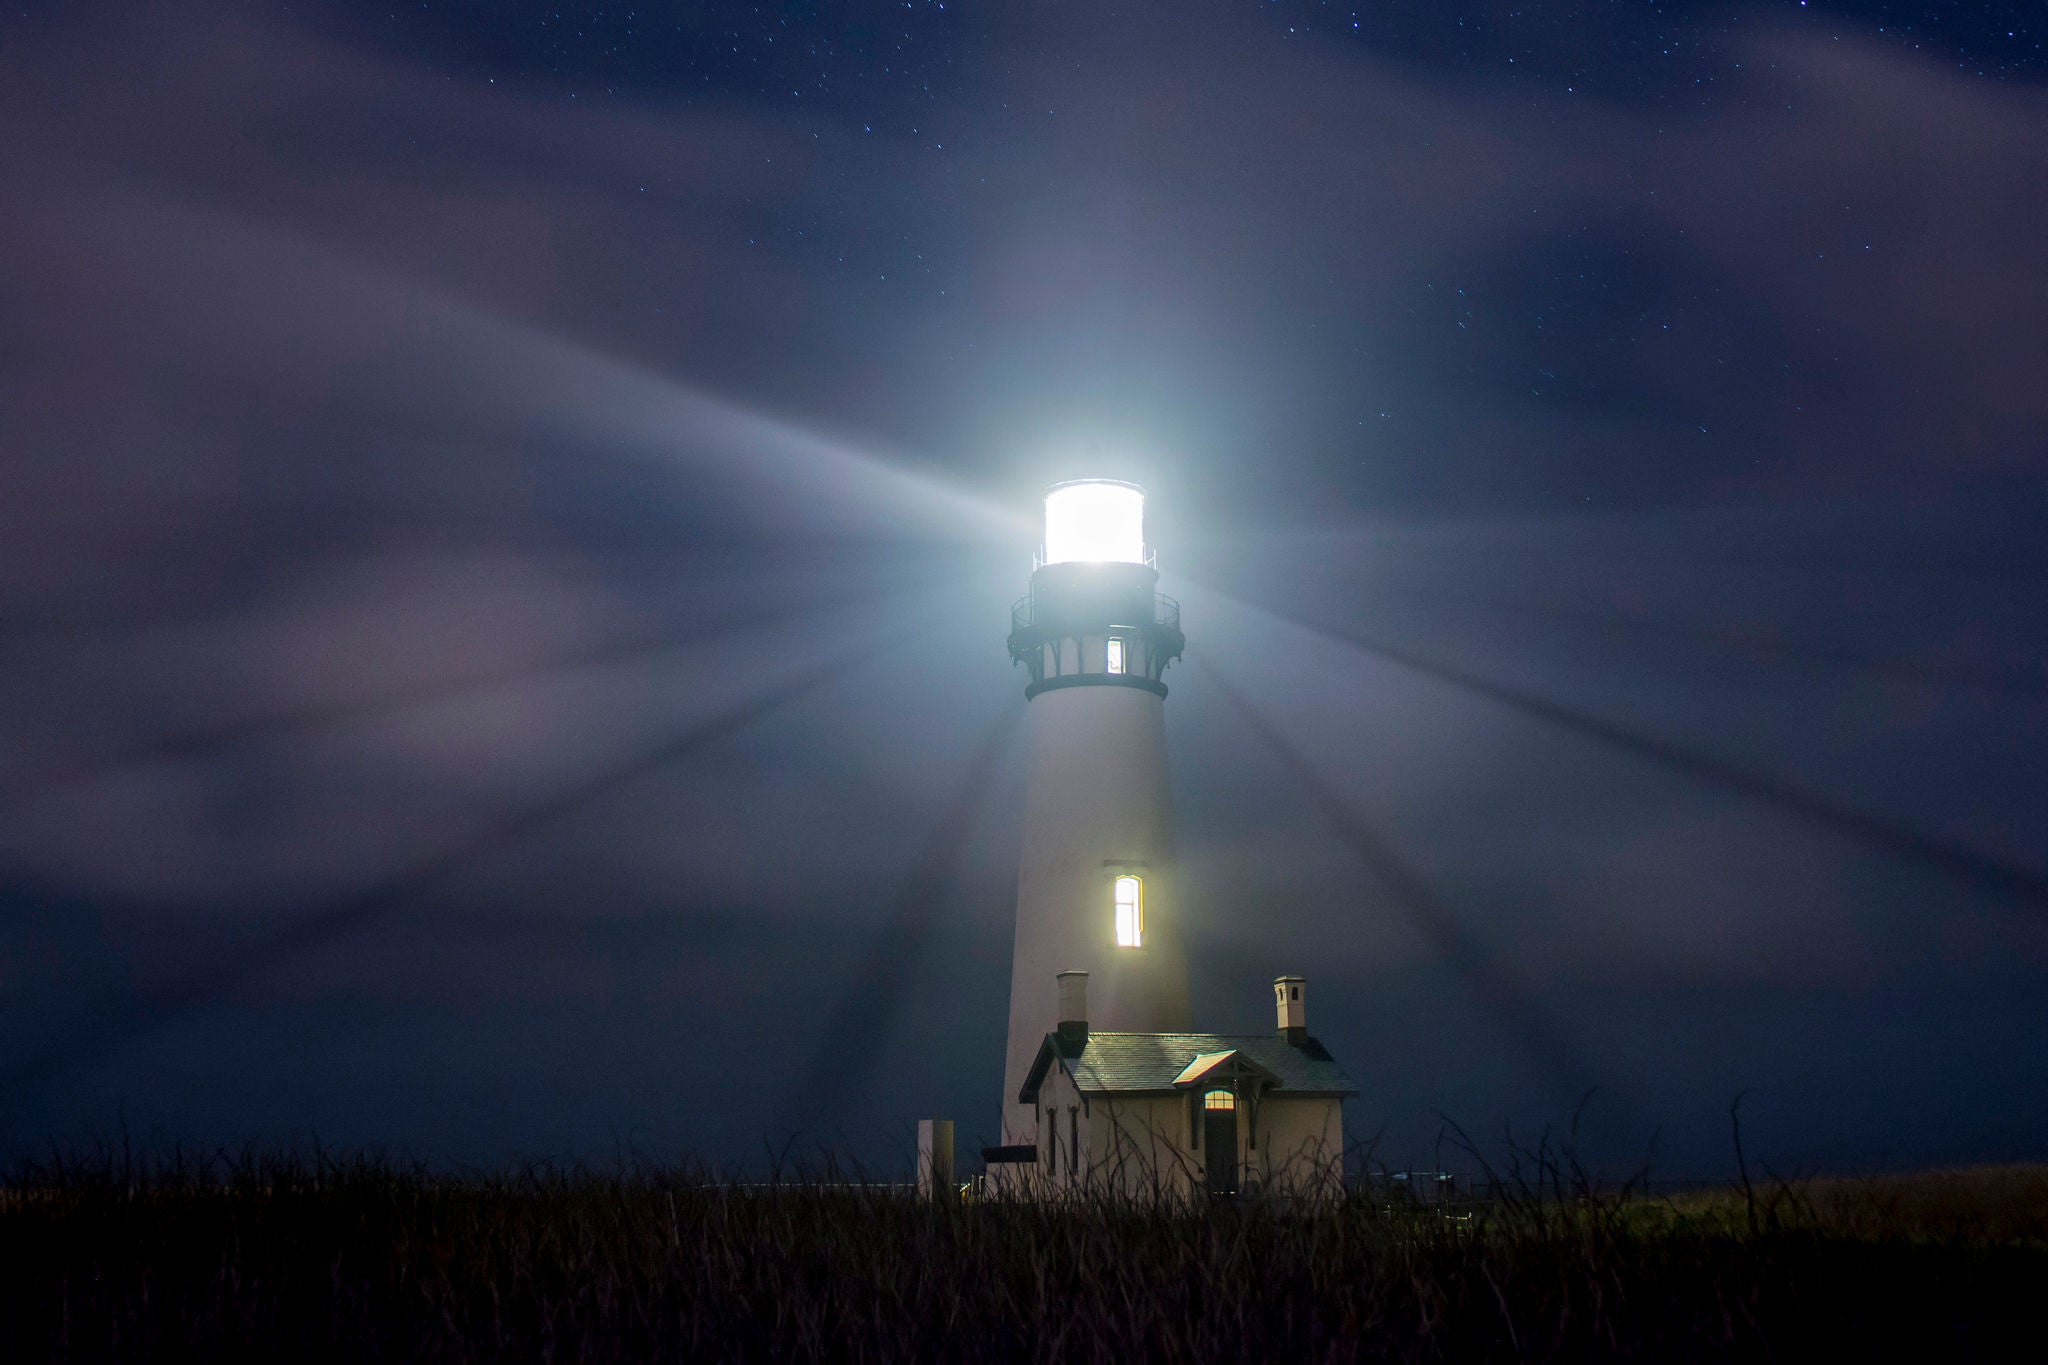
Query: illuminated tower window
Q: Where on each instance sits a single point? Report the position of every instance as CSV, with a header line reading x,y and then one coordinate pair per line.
x,y
1116,655
1130,912
1219,1099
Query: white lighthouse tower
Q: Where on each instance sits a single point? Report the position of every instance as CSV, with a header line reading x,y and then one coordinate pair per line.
x,y
1095,888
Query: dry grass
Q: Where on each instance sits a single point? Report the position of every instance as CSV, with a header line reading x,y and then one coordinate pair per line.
x,y
318,1259
1979,1205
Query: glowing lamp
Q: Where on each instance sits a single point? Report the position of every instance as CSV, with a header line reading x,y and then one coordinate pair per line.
x,y
1095,521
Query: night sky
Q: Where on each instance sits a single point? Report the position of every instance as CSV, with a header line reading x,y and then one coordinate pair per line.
x,y
508,515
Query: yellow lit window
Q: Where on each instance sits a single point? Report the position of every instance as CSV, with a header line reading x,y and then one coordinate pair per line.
x,y
1219,1099
1130,912
1116,655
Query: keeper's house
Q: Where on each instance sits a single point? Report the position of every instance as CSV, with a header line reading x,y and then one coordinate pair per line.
x,y
1179,1115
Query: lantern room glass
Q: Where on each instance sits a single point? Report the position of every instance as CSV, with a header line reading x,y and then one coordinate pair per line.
x,y
1095,521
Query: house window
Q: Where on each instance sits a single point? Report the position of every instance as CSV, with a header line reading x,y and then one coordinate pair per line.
x,y
1116,655
1073,1140
1219,1099
1130,912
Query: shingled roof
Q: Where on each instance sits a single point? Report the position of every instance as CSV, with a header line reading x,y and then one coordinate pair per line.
x,y
1151,1063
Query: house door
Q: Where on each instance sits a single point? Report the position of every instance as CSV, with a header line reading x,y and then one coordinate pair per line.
x,y
1219,1140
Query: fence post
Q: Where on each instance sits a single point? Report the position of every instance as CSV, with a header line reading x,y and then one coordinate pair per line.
x,y
935,1158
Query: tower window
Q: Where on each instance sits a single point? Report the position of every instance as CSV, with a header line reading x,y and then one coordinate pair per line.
x,y
1116,655
1219,1099
1130,912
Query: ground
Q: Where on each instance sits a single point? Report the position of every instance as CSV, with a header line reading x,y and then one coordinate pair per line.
x,y
316,1258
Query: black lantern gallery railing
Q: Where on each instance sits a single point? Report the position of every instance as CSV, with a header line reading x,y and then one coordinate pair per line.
x,y
1165,612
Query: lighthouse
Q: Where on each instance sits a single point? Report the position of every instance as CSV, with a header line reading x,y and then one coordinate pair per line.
x,y
1095,884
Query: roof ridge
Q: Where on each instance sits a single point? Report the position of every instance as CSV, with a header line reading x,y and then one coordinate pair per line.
x,y
1116,1060
1177,1033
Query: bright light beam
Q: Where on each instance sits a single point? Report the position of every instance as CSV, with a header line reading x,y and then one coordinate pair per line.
x,y
218,276
1988,873
1519,1015
885,974
1759,647
321,716
99,1037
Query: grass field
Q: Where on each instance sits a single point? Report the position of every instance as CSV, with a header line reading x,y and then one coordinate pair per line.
x,y
322,1259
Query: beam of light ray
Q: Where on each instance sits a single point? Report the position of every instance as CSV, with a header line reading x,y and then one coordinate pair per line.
x,y
151,1010
856,1027
1517,1014
482,372
1997,876
1749,646
345,713
1727,542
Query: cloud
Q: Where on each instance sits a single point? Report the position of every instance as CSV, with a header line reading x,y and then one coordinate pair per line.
x,y
389,446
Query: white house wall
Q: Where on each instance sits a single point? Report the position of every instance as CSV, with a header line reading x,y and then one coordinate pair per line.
x,y
1301,1146
1140,1146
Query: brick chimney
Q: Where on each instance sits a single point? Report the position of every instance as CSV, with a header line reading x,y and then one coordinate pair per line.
x,y
1073,1006
1292,1009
